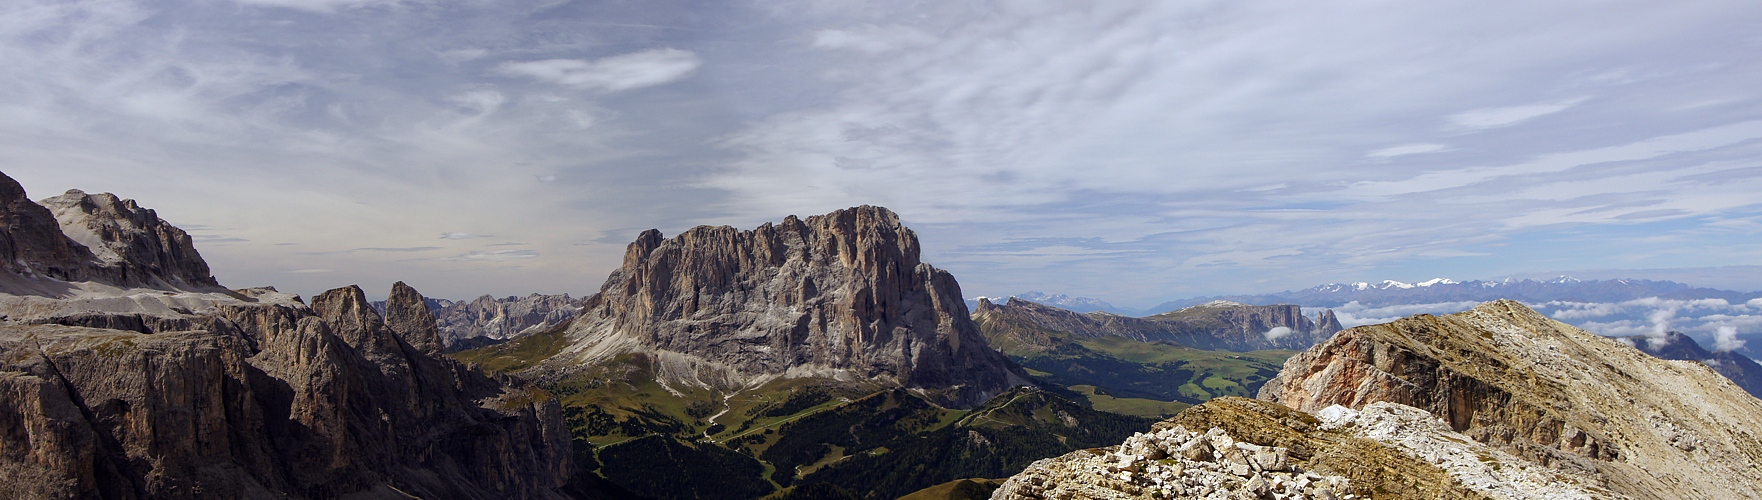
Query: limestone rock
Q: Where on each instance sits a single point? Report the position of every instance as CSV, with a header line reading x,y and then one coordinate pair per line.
x,y
31,242
840,296
124,374
1266,450
274,405
132,245
407,315
501,318
1542,390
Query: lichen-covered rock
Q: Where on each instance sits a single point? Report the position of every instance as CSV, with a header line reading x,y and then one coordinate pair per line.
x,y
840,296
1550,393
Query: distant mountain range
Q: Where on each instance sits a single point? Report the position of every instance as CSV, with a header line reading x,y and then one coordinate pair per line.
x,y
1062,301
1391,292
1612,307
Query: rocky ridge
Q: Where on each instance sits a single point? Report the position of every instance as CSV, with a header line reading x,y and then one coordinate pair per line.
x,y
1256,449
1172,463
126,375
1552,394
841,296
1742,370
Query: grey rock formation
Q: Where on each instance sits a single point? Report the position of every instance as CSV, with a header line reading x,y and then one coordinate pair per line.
x,y
408,316
840,296
132,245
165,392
502,318
1545,391
31,241
78,237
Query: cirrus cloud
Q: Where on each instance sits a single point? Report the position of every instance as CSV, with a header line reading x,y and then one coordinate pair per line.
x,y
635,70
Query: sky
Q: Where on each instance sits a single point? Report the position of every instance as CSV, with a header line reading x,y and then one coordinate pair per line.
x,y
1130,151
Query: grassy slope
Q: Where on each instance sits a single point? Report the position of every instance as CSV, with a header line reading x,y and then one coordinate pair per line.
x,y
959,489
875,444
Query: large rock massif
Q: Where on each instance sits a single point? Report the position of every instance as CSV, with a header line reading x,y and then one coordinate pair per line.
x,y
470,323
80,237
1555,395
841,296
126,372
1028,326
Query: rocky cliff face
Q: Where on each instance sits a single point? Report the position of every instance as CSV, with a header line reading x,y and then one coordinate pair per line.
x,y
503,318
840,296
78,237
1216,326
31,242
1547,392
277,400
165,392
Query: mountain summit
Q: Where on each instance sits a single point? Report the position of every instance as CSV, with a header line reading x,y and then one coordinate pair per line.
x,y
842,296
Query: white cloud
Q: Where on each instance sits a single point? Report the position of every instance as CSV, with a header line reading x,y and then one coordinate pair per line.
x,y
496,255
1582,310
464,236
1407,149
635,70
323,6
1726,339
872,39
1509,115
479,102
1276,333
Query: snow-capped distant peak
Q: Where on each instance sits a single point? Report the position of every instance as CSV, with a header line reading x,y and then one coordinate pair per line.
x,y
1387,284
1564,279
1222,303
1360,286
1437,281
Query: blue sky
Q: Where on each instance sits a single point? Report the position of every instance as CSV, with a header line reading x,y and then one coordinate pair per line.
x,y
1130,151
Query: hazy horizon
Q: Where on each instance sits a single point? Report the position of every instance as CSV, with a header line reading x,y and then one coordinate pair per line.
x,y
1134,152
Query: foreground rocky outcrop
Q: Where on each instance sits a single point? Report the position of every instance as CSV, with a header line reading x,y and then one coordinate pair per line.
x,y
841,296
123,374
1255,449
1542,390
1022,326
